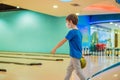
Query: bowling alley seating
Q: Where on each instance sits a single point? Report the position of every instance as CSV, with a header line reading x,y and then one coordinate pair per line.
x,y
109,51
100,47
117,51
86,51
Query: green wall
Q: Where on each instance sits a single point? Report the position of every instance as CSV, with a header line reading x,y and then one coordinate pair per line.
x,y
27,31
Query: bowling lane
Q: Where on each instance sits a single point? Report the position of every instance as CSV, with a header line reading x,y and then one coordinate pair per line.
x,y
35,54
96,64
47,57
110,73
50,70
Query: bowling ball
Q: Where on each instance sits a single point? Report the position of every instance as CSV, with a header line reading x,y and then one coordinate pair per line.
x,y
83,62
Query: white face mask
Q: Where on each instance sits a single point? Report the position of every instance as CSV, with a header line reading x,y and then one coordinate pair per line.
x,y
68,25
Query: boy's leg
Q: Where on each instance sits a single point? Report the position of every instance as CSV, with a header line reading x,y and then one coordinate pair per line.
x,y
69,71
77,67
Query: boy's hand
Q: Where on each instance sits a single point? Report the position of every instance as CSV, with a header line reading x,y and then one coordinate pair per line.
x,y
58,45
53,51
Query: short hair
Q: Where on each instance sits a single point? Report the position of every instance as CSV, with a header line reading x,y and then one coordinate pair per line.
x,y
73,18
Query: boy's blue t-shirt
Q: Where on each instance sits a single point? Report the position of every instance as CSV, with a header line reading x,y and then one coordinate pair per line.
x,y
74,37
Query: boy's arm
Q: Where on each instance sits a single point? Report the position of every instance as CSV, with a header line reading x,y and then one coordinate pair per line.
x,y
58,45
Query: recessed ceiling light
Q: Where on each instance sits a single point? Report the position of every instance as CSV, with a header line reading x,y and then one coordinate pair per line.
x,y
75,4
18,6
66,0
77,14
55,6
111,22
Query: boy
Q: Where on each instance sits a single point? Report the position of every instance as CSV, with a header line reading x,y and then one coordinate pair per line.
x,y
74,37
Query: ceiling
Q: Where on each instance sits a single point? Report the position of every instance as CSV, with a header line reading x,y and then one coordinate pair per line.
x,y
87,7
4,7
